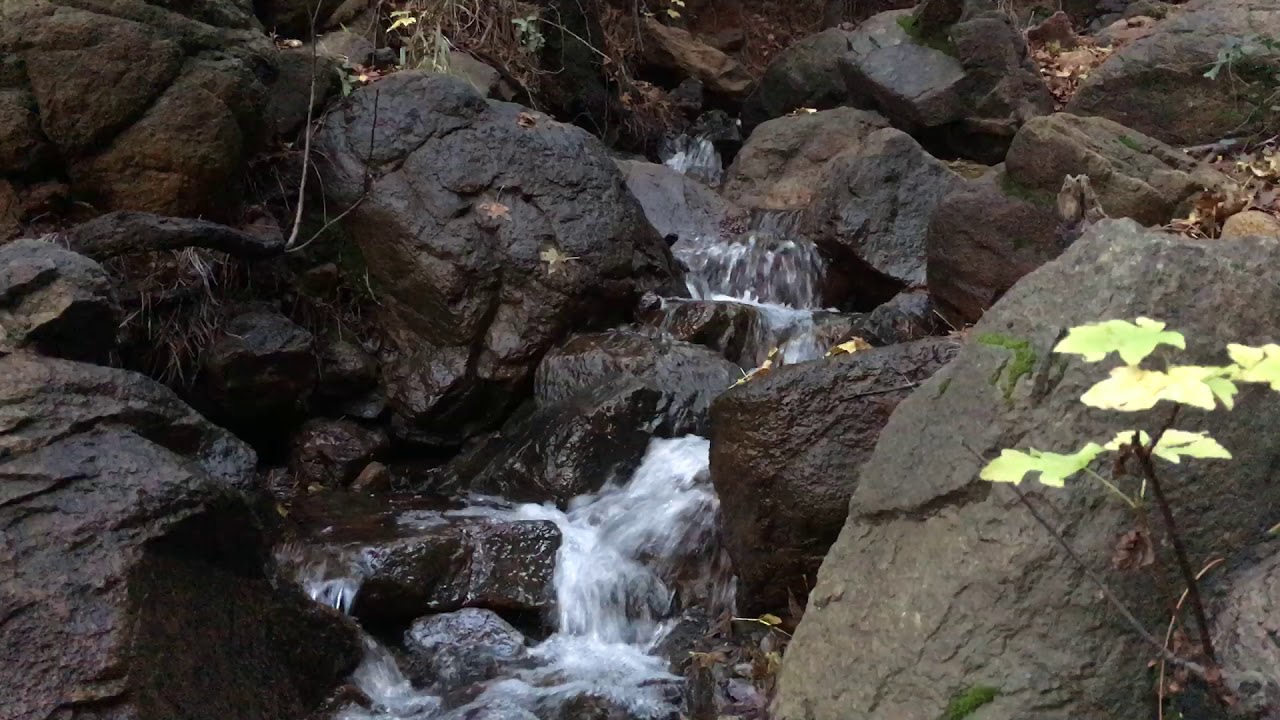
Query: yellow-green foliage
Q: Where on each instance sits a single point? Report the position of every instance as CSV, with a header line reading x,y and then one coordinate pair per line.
x,y
967,703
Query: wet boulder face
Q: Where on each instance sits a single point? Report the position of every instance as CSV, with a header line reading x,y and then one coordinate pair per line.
x,y
409,558
1156,85
118,90
557,451
1246,620
990,598
784,161
56,302
871,215
1134,175
727,327
132,535
687,376
676,49
492,232
786,450
459,648
907,316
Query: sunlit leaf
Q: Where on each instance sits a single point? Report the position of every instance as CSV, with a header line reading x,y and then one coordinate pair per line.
x,y
849,347
769,619
1133,341
1053,468
1175,445
1256,364
1131,389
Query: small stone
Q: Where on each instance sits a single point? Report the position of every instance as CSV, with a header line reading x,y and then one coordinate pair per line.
x,y
374,478
1251,223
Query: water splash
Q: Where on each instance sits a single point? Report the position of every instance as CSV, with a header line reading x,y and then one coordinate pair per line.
x,y
695,156
630,555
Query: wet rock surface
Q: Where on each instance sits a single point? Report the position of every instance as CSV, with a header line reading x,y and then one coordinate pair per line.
x,y
56,302
135,531
805,75
487,258
786,450
261,372
956,546
334,452
462,647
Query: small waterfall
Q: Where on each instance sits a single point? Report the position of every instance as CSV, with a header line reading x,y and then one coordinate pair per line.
x,y
627,553
695,156
771,268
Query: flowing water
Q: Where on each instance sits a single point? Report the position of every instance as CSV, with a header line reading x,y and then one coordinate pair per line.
x,y
628,553
695,156
770,268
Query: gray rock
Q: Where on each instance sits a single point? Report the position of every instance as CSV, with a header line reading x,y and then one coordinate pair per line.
x,y
871,214
459,648
1156,85
907,316
804,75
940,582
784,161
730,328
982,238
493,232
56,302
677,204
1134,175
785,454
687,376
132,535
1246,621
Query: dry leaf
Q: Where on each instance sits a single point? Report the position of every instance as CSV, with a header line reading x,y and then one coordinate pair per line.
x,y
526,120
494,210
554,258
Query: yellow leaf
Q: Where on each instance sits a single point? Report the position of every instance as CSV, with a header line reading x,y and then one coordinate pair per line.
x,y
1131,388
769,619
1256,364
1053,468
849,347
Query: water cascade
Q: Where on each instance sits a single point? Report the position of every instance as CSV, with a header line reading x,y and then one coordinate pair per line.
x,y
627,552
695,156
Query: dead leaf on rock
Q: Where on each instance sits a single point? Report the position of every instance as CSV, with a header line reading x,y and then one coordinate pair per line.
x,y
1133,550
494,210
554,258
526,120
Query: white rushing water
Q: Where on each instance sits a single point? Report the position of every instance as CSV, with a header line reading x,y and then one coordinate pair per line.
x,y
772,269
695,156
627,552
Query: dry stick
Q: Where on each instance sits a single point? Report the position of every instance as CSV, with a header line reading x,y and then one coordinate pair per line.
x,y
368,178
1143,454
1115,602
1168,634
307,132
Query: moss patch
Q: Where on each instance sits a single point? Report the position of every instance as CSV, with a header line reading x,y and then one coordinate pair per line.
x,y
938,41
1132,144
1015,189
967,703
1012,370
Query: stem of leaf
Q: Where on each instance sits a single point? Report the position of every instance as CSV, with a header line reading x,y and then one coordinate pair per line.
x,y
1112,487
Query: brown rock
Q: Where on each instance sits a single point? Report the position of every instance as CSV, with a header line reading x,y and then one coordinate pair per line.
x,y
375,477
675,49
1251,223
1055,30
334,452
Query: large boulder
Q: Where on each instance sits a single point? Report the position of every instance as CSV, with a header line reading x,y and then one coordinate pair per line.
x,y
1134,175
491,231
941,582
677,204
1246,621
1157,85
56,302
133,536
688,376
118,90
785,454
983,237
259,372
805,75
871,214
969,84
784,160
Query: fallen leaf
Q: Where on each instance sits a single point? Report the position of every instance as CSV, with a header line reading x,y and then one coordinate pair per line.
x,y
493,210
526,120
850,347
1133,550
554,258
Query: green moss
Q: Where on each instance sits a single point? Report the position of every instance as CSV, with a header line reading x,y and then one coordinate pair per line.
x,y
938,41
1015,189
1132,144
1021,363
967,703
942,388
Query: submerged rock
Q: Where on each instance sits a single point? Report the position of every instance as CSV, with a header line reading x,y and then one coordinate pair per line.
x,y
786,450
133,537
940,582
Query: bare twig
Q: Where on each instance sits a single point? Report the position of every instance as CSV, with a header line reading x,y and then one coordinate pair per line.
x,y
1143,454
1168,635
307,132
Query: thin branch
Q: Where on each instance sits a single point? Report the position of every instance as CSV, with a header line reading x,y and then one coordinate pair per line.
x,y
1168,634
1115,602
1143,454
306,132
